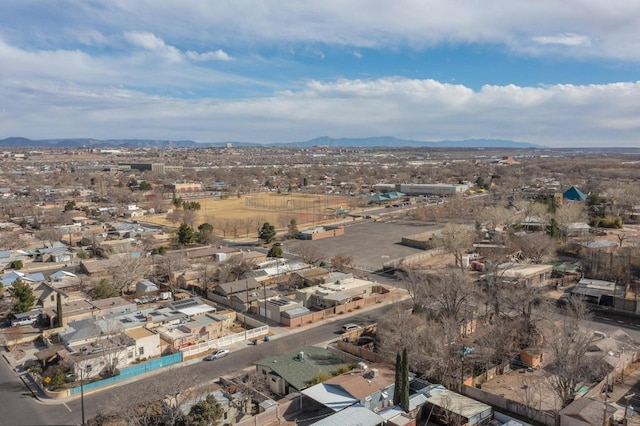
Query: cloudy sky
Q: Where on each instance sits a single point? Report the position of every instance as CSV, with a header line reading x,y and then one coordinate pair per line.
x,y
557,73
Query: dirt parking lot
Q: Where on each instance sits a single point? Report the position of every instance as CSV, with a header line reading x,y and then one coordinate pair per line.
x,y
371,244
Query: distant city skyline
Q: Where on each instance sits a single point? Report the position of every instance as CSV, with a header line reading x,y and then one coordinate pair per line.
x,y
559,74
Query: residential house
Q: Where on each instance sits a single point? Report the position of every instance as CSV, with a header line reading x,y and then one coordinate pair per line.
x,y
338,292
147,343
294,371
371,388
272,308
45,294
113,306
520,273
574,194
447,407
352,416
11,277
58,254
600,292
587,411
192,307
204,328
575,229
97,345
227,403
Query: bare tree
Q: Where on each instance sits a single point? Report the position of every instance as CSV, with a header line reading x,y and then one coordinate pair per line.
x,y
175,216
415,282
165,267
190,217
496,216
154,401
233,269
130,267
458,239
341,261
449,293
568,345
10,241
536,246
249,225
49,235
571,213
309,253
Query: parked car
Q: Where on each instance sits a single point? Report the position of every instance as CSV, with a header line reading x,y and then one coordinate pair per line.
x,y
350,327
220,353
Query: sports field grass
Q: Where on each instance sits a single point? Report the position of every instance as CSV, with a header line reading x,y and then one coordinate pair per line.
x,y
242,216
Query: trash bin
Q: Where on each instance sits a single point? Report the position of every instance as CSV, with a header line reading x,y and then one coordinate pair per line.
x,y
254,341
266,338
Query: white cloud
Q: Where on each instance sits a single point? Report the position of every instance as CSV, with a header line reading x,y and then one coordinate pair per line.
x,y
564,39
153,43
596,28
218,55
556,115
357,54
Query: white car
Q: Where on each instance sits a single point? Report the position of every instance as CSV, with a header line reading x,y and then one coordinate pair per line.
x,y
220,353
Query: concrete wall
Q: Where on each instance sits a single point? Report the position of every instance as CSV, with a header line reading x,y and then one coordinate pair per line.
x,y
338,309
414,258
273,416
542,417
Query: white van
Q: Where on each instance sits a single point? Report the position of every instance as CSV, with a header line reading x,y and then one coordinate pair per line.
x,y
349,327
23,321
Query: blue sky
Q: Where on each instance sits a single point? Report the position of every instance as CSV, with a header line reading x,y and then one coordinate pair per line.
x,y
556,73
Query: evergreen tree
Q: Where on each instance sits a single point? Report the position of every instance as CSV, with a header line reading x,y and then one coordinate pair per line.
x,y
267,233
404,371
205,413
398,381
59,310
186,235
275,251
205,232
57,380
293,229
23,293
553,230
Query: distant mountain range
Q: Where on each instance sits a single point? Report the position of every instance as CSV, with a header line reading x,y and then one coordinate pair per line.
x,y
382,141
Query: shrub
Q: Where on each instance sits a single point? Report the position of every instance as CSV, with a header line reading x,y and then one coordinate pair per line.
x,y
319,378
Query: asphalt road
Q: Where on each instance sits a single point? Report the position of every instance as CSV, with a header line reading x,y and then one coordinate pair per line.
x,y
19,408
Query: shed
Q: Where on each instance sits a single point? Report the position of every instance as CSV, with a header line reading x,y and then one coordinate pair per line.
x,y
145,287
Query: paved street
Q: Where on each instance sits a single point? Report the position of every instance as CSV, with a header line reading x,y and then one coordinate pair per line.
x,y
22,409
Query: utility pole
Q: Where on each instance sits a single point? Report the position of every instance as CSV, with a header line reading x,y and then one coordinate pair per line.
x,y
606,399
264,291
626,407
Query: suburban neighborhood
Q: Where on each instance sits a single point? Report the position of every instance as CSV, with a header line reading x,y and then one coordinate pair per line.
x,y
454,304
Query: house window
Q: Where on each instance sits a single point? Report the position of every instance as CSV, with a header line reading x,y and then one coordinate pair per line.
x,y
88,368
224,416
52,298
141,351
131,353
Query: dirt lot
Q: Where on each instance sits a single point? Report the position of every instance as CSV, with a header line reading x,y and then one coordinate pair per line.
x,y
371,244
277,209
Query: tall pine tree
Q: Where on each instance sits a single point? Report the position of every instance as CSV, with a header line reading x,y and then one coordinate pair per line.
x,y
404,391
59,310
398,381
